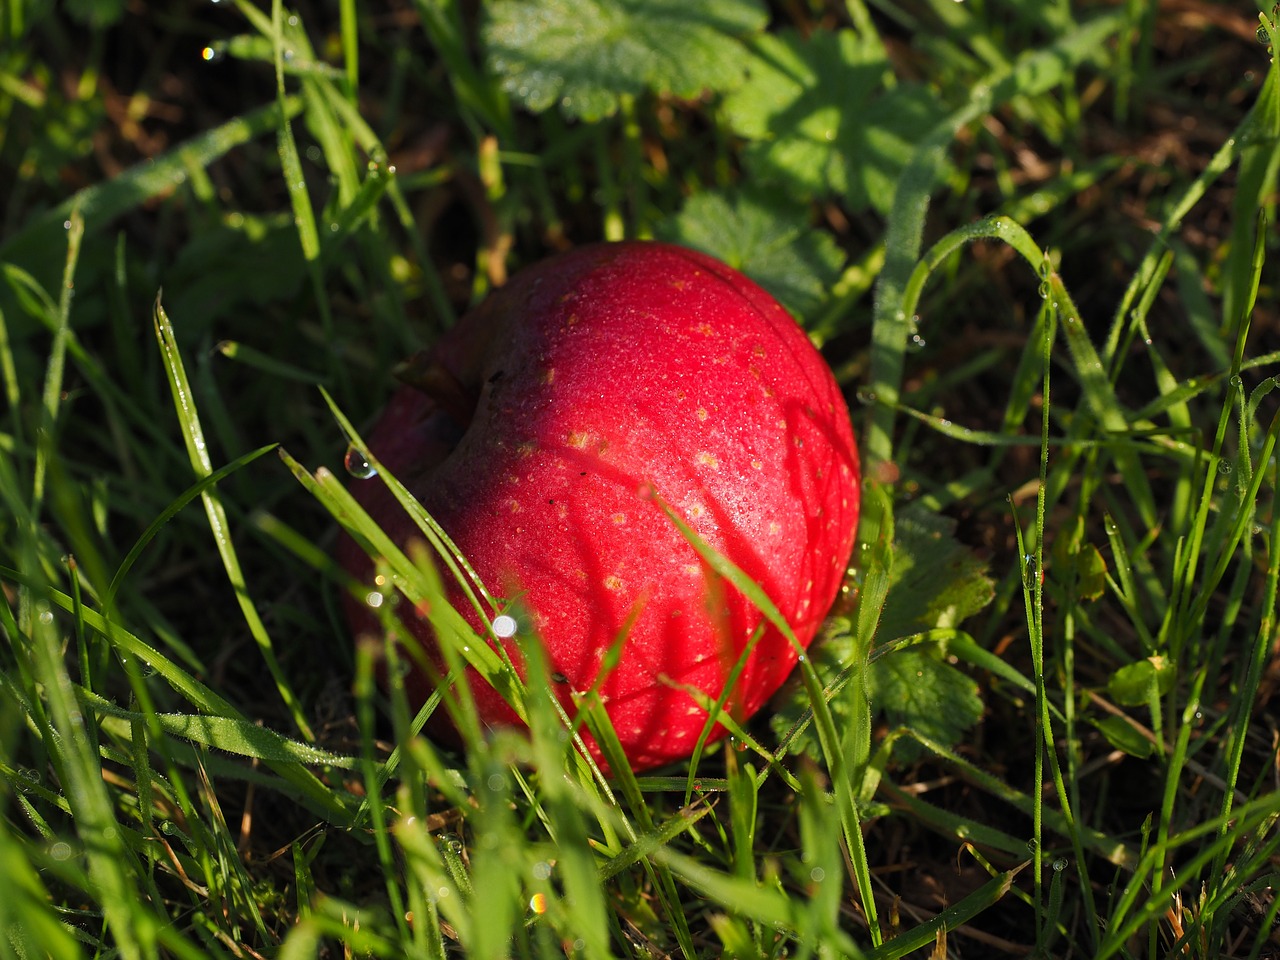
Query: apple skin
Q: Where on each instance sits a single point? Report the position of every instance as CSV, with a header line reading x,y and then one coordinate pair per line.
x,y
538,429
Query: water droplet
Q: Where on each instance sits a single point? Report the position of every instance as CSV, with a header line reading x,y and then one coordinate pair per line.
x,y
46,617
1237,382
374,599
1060,864
1262,35
865,397
504,626
817,874
541,870
916,343
1224,467
1030,570
1043,290
358,465
60,850
496,782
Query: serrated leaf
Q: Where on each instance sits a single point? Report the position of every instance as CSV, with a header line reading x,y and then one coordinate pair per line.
x,y
822,118
915,688
935,584
772,243
937,581
585,54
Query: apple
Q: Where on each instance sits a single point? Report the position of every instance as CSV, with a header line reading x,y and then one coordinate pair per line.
x,y
539,428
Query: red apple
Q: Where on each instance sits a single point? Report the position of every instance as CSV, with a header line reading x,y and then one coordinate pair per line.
x,y
536,432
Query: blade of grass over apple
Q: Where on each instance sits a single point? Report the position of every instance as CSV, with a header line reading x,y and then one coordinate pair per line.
x,y
845,789
420,583
459,568
198,453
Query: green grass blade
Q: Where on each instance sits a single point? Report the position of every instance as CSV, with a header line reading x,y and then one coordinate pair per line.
x,y
198,453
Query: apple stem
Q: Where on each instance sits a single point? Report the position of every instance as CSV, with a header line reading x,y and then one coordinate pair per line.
x,y
424,372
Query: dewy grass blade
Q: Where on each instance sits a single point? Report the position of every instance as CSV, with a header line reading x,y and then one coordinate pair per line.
x,y
56,366
304,217
1033,73
236,735
197,452
195,692
846,790
102,202
171,511
445,548
113,868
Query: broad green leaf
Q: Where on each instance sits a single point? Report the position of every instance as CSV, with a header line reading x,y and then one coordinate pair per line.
x,y
915,688
1131,685
935,583
1122,735
586,54
823,120
771,242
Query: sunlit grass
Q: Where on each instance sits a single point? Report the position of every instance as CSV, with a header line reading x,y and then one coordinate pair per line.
x,y
196,759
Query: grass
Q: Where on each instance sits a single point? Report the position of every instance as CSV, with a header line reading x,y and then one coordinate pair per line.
x,y
1041,254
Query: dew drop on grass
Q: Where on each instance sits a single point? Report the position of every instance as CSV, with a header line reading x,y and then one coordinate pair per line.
x,y
357,465
1029,570
374,599
1224,467
504,626
1060,864
817,874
